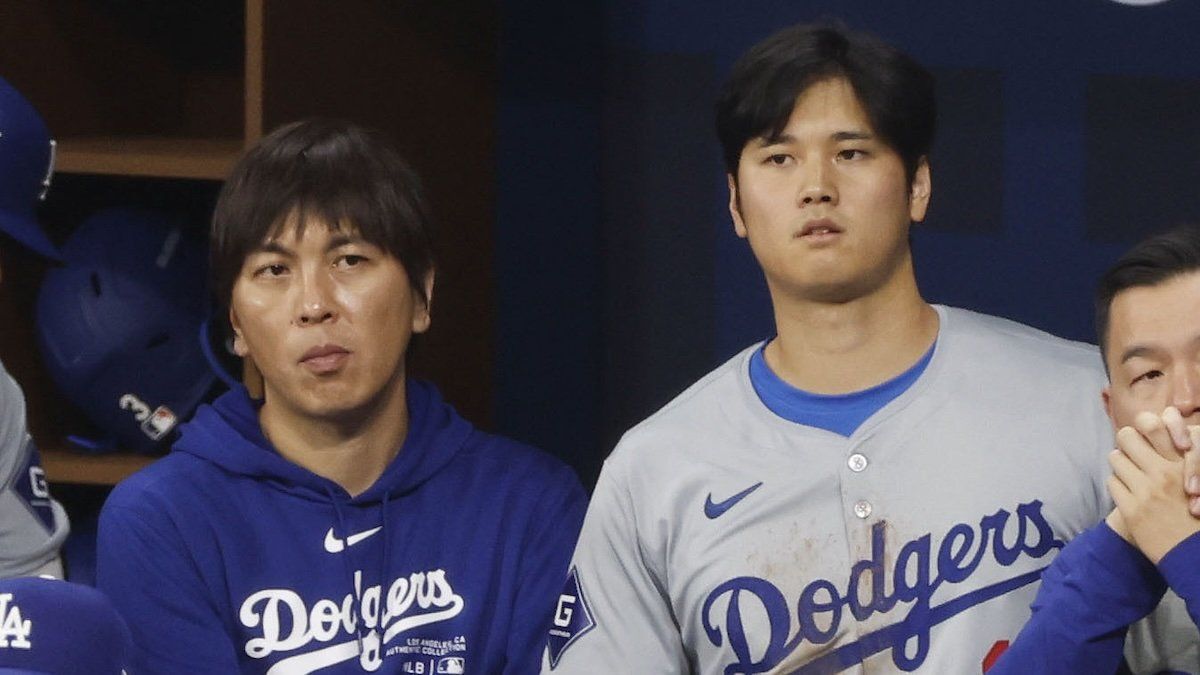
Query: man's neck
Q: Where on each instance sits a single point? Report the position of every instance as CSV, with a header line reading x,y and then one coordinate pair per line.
x,y
354,453
838,348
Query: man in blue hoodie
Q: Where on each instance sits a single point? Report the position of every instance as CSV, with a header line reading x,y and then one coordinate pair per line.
x,y
1148,322
349,520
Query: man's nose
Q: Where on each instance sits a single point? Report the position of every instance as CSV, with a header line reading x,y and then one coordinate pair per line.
x,y
315,303
1185,392
816,184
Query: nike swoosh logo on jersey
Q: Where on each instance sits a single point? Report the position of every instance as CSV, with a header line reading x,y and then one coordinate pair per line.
x,y
335,545
715,510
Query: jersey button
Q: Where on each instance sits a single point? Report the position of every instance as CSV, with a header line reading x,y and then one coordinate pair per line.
x,y
857,462
862,508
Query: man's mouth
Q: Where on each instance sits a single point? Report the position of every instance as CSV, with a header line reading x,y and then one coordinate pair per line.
x,y
325,358
819,228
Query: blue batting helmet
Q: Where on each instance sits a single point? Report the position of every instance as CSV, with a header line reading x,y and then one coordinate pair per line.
x,y
119,323
26,164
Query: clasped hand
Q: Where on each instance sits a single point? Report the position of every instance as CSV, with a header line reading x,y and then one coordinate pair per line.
x,y
1156,482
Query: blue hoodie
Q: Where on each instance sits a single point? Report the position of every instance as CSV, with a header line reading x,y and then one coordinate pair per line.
x,y
225,557
1095,588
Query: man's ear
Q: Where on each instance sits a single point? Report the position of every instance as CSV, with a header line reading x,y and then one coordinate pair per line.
x,y
239,343
735,207
1106,399
920,191
423,314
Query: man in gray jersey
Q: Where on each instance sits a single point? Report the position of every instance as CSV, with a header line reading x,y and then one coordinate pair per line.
x,y
878,487
32,525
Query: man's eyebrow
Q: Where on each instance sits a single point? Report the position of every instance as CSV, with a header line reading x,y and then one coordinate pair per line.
x,y
853,135
837,136
271,246
336,241
1136,351
340,239
1149,351
774,139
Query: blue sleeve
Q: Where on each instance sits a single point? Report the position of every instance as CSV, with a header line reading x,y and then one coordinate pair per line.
x,y
550,543
143,565
1182,573
1098,585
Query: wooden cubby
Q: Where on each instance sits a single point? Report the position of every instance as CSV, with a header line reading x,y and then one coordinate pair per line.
x,y
144,94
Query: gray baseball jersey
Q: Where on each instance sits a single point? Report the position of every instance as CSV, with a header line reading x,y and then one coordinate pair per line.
x,y
32,525
723,539
1166,641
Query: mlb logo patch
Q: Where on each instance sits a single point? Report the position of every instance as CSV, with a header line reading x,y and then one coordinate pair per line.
x,y
452,665
572,618
161,421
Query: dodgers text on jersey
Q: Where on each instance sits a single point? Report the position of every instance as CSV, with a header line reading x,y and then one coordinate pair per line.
x,y
921,567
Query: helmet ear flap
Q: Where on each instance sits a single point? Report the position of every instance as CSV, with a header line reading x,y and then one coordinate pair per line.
x,y
26,167
217,341
119,325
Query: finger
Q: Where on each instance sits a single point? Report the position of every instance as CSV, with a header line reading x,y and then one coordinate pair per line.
x,y
1154,429
1191,472
1173,420
1133,444
1191,466
1122,497
1124,469
1136,477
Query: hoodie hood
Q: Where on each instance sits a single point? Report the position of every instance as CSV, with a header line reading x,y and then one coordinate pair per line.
x,y
227,433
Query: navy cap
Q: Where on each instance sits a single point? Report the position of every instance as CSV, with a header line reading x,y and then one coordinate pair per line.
x,y
52,627
26,164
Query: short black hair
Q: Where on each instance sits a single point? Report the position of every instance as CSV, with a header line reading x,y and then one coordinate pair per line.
x,y
895,91
1151,262
327,170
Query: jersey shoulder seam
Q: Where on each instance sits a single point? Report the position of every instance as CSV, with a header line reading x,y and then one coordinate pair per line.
x,y
728,369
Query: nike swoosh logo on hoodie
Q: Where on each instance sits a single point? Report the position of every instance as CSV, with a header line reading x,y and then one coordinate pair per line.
x,y
335,545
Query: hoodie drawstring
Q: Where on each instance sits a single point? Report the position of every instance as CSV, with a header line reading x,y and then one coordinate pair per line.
x,y
387,551
385,563
345,558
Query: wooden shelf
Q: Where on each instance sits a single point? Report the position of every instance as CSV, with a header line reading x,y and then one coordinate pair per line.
x,y
178,90
158,157
66,466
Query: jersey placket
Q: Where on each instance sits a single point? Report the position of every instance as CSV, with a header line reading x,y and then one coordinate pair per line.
x,y
863,509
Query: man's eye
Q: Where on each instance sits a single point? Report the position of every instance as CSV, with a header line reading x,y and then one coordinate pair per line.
x,y
348,261
1147,376
778,159
851,154
271,270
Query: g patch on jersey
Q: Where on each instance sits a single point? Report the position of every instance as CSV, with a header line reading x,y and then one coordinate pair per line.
x,y
30,484
572,618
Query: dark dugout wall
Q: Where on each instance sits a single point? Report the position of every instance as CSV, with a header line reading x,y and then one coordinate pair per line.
x,y
1068,130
